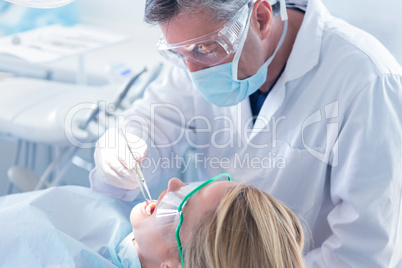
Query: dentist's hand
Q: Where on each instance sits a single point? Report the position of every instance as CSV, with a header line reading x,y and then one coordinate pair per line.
x,y
113,160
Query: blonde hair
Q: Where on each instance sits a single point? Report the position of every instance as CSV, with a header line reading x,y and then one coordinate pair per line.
x,y
249,229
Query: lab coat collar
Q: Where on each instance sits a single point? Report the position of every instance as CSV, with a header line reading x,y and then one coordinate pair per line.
x,y
304,57
306,49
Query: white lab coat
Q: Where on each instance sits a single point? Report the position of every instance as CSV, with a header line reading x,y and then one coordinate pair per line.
x,y
327,142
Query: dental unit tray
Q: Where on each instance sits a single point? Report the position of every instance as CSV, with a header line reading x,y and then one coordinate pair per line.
x,y
51,43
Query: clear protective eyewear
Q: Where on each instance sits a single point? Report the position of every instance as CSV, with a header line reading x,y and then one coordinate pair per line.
x,y
213,48
169,213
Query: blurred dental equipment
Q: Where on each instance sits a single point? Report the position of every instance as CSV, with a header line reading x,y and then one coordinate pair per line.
x,y
57,42
123,92
40,118
41,3
54,42
136,170
51,104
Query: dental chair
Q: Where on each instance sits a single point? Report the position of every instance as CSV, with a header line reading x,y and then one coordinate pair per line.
x,y
71,125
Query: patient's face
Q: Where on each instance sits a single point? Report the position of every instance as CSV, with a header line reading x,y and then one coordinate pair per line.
x,y
153,249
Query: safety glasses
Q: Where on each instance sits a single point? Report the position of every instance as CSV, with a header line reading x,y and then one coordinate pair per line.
x,y
169,216
210,49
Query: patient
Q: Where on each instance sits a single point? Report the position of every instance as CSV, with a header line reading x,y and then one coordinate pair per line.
x,y
224,224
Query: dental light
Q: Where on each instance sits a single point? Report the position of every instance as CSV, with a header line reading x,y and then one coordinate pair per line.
x,y
41,3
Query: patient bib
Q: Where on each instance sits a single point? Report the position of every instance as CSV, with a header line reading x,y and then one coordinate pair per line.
x,y
127,253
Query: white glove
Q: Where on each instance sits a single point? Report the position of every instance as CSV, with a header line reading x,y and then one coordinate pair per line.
x,y
113,160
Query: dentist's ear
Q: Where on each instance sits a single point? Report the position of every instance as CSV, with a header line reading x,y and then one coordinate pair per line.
x,y
261,18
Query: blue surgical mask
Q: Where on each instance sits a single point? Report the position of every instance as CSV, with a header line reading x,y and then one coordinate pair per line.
x,y
220,84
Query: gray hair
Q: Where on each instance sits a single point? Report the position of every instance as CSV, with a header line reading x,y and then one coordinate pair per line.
x,y
160,11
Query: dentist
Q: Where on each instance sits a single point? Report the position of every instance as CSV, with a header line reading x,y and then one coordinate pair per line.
x,y
290,99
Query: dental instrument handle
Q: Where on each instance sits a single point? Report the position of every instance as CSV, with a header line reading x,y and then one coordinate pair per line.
x,y
138,173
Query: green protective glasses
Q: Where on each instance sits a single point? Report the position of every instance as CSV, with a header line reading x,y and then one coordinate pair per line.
x,y
169,214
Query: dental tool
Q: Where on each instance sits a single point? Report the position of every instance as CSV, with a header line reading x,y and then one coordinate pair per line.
x,y
137,172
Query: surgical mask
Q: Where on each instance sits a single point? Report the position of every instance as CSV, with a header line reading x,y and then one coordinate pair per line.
x,y
220,84
41,3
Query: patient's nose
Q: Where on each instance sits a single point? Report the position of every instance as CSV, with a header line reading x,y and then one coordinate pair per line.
x,y
175,184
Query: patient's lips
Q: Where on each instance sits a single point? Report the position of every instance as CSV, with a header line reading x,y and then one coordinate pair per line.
x,y
150,207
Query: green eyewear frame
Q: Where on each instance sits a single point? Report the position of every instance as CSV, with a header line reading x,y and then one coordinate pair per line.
x,y
180,208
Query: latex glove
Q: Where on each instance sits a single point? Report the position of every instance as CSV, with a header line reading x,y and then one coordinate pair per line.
x,y
113,159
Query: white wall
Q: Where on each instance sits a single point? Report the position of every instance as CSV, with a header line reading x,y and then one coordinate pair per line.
x,y
380,18
123,11
121,16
